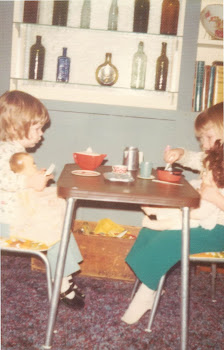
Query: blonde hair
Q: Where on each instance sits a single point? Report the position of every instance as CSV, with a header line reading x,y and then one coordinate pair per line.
x,y
210,116
16,161
18,111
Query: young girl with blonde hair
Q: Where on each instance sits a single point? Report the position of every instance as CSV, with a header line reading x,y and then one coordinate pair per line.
x,y
155,252
22,118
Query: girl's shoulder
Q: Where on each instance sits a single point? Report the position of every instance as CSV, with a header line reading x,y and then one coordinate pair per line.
x,y
10,147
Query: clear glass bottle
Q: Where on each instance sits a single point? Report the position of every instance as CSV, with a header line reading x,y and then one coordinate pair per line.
x,y
113,16
107,73
169,17
139,64
162,64
60,12
141,16
37,55
30,11
85,14
63,67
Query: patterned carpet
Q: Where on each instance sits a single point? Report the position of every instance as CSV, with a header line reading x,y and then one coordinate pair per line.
x,y
98,326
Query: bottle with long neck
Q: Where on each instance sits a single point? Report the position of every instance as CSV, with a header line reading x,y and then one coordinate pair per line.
x,y
161,69
85,14
30,11
141,16
37,55
60,12
139,68
113,16
169,17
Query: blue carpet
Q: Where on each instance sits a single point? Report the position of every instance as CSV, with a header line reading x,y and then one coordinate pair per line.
x,y
98,326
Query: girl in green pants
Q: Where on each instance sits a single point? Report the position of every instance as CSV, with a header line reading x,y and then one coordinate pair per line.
x,y
155,252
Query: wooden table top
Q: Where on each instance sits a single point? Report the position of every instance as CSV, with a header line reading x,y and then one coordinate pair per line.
x,y
140,191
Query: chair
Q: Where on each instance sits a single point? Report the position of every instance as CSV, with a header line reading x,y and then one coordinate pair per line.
x,y
213,258
26,247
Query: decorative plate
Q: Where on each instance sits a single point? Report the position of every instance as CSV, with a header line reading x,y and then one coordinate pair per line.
x,y
85,173
212,20
151,177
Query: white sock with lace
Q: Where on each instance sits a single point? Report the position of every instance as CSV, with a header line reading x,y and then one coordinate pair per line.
x,y
65,285
142,302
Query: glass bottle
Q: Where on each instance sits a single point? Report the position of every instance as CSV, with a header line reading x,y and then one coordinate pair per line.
x,y
30,11
169,17
107,73
37,55
63,67
60,12
113,16
139,64
85,14
141,16
161,69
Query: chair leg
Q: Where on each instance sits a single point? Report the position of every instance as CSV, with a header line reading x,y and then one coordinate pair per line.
x,y
44,258
213,281
155,304
137,282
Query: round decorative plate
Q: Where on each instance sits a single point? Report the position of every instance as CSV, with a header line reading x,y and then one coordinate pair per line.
x,y
146,178
85,173
212,20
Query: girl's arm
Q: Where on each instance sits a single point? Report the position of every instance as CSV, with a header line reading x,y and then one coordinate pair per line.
x,y
185,158
38,181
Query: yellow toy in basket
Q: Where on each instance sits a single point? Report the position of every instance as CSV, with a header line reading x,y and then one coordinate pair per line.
x,y
108,227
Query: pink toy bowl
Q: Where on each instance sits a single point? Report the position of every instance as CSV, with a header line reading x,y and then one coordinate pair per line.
x,y
88,161
170,176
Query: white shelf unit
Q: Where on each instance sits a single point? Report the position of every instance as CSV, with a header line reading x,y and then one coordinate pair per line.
x,y
87,48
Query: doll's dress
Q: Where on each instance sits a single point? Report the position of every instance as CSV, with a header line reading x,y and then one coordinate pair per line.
x,y
39,216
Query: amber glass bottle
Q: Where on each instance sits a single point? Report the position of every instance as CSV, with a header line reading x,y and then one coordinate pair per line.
x,y
60,12
141,16
37,55
161,70
169,17
30,11
107,73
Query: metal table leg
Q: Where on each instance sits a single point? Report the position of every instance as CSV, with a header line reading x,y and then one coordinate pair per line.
x,y
59,272
185,277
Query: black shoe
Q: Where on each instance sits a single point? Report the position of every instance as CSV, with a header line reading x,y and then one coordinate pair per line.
x,y
76,289
77,302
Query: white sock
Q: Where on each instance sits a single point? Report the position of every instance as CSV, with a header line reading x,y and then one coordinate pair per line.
x,y
65,286
142,302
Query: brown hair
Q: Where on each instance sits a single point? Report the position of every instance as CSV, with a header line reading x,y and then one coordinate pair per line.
x,y
210,115
18,111
215,162
16,161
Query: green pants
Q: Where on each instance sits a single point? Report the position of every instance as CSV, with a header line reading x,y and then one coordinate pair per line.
x,y
155,252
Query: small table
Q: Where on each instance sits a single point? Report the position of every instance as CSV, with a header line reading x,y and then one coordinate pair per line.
x,y
73,187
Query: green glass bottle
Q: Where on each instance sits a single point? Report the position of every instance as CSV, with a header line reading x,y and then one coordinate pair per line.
x,y
139,68
60,12
37,55
141,16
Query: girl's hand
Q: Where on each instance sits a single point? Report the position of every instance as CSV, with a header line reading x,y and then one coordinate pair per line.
x,y
38,181
173,155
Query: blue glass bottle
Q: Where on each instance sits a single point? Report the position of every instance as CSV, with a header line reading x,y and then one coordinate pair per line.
x,y
63,67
